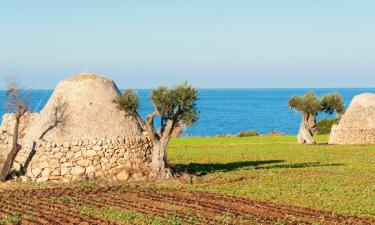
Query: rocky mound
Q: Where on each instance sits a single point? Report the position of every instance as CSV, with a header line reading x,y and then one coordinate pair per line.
x,y
357,126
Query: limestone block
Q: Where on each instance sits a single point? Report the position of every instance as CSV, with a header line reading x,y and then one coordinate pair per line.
x,y
123,176
36,172
89,153
84,162
90,169
77,170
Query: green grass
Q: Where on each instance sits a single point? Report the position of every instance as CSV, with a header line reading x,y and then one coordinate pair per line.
x,y
14,218
326,177
183,142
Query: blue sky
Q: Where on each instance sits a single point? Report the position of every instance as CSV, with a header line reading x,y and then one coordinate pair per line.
x,y
212,43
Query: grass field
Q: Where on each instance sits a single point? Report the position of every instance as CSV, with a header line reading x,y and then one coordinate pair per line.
x,y
335,178
253,180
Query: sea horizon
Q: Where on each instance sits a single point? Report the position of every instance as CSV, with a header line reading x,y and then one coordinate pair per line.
x,y
228,111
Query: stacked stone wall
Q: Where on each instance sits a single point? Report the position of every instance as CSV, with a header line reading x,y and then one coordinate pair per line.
x,y
352,136
119,158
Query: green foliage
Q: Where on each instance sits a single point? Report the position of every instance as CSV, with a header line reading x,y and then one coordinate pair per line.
x,y
331,103
14,218
325,125
178,103
247,133
308,103
311,104
128,101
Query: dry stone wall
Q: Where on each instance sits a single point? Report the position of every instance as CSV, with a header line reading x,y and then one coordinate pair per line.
x,y
352,136
120,158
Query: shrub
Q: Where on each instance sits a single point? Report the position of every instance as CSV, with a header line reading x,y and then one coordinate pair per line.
x,y
325,125
248,133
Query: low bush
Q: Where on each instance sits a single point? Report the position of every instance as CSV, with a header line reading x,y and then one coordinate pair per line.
x,y
325,125
247,133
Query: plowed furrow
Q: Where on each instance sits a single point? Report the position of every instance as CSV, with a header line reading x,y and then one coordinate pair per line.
x,y
45,216
200,207
204,208
131,205
5,210
207,204
66,210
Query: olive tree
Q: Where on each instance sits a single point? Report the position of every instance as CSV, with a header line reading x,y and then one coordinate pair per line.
x,y
173,106
19,105
310,106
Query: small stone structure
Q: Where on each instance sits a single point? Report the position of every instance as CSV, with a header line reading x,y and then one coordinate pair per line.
x,y
357,125
79,134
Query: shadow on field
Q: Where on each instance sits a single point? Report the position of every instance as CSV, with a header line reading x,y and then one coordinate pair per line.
x,y
205,168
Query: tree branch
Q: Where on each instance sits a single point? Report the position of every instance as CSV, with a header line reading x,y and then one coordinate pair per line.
x,y
166,134
150,127
140,121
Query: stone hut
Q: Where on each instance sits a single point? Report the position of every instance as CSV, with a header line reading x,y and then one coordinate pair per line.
x,y
80,133
357,126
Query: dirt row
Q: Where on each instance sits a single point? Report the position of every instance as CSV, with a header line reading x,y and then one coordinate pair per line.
x,y
64,206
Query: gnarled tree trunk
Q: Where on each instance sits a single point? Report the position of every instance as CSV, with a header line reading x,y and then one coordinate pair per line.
x,y
9,160
307,129
159,165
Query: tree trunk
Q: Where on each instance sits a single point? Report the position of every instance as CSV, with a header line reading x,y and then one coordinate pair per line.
x,y
159,163
8,162
307,129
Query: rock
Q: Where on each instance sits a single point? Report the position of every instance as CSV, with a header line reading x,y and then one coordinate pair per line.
x,y
36,172
54,163
65,171
69,155
56,173
138,175
43,165
67,164
77,170
58,155
89,153
99,174
45,175
84,162
63,160
77,155
123,176
90,169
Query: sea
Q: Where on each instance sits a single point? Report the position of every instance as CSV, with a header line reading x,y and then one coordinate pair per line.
x,y
229,111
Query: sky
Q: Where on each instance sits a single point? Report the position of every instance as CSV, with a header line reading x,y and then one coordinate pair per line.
x,y
210,43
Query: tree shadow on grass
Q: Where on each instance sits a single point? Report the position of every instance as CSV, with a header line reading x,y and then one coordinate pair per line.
x,y
201,169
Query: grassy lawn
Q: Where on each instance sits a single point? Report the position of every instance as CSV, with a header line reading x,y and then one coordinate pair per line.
x,y
326,177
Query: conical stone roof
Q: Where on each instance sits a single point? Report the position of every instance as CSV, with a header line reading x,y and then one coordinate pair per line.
x,y
357,125
81,107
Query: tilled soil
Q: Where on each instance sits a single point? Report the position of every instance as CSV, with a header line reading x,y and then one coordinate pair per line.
x,y
63,205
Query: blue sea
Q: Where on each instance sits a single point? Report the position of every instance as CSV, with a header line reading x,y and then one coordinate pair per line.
x,y
228,111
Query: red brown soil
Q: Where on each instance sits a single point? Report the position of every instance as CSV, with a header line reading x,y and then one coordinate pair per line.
x,y
62,205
